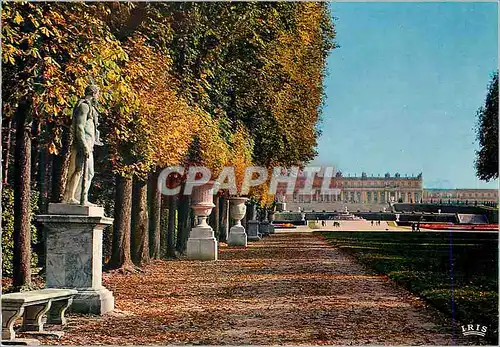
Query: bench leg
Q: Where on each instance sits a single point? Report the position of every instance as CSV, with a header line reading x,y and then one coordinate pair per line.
x,y
33,316
9,316
56,312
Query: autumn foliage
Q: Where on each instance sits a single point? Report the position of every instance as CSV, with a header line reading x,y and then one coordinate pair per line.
x,y
181,83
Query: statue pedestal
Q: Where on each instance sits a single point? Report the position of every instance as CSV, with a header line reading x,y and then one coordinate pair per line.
x,y
237,236
264,228
271,229
253,230
201,244
74,254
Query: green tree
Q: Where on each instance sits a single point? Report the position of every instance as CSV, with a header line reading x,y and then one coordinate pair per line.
x,y
48,51
487,134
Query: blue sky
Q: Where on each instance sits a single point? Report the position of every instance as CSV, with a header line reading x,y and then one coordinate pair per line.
x,y
403,89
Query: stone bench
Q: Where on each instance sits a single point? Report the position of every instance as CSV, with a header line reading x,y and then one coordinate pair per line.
x,y
34,305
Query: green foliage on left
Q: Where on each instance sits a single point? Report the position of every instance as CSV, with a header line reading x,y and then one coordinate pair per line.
x,y
8,228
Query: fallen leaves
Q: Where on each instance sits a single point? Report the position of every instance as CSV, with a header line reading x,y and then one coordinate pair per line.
x,y
286,289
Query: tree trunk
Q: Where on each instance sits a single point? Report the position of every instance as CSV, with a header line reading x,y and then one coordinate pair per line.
x,y
246,217
44,173
35,153
220,200
44,179
163,226
61,166
184,223
22,217
154,217
225,221
121,256
214,217
140,229
181,222
1,176
7,130
172,207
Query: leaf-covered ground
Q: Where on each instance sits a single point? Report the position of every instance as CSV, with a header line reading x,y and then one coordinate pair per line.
x,y
286,289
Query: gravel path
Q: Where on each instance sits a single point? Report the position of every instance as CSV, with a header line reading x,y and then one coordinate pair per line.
x,y
286,289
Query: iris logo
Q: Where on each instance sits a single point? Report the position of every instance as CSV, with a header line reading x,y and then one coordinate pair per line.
x,y
474,329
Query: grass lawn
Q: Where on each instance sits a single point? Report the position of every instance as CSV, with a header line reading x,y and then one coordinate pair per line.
x,y
438,267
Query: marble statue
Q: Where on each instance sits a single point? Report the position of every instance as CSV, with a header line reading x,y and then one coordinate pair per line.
x,y
85,137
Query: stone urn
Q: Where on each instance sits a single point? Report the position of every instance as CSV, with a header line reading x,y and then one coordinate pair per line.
x,y
201,244
237,210
202,202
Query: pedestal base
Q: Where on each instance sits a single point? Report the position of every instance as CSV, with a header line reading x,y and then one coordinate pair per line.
x,y
74,255
264,228
271,229
237,236
202,244
253,230
94,301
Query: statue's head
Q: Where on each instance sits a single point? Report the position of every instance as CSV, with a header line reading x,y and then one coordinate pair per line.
x,y
93,91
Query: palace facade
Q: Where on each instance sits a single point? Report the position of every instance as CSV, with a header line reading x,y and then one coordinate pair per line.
x,y
361,189
460,195
372,192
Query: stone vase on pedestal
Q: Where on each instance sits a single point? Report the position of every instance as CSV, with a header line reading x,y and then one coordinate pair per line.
x,y
201,244
74,254
303,218
237,234
253,226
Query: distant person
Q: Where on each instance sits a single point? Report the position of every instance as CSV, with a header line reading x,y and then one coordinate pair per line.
x,y
418,226
412,227
372,223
